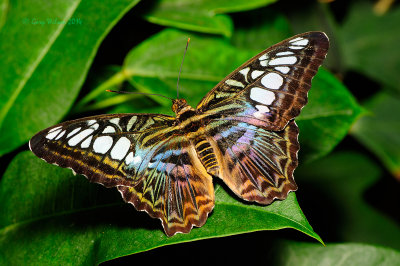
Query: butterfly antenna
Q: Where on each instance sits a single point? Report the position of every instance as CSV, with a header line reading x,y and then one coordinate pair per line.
x,y
142,93
183,59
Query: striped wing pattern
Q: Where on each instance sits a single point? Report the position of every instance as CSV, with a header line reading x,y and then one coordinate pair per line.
x,y
242,132
154,169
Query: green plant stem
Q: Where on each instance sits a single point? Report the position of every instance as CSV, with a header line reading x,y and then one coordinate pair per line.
x,y
105,103
115,80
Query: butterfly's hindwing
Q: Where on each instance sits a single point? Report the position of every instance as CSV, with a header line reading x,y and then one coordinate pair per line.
x,y
255,163
153,167
271,88
174,187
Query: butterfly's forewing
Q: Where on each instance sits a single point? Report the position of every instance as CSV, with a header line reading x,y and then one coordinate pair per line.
x,y
271,88
249,117
154,168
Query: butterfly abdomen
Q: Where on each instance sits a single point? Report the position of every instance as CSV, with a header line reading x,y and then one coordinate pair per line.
x,y
206,155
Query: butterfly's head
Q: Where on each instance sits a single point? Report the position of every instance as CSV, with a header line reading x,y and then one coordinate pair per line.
x,y
178,105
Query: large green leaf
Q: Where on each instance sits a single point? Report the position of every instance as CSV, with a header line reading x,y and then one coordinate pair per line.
x,y
263,27
44,62
301,253
153,66
47,211
207,61
317,16
380,131
370,43
328,116
4,5
338,183
202,16
363,42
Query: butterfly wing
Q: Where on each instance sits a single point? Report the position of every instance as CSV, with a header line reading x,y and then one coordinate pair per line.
x,y
154,167
271,88
249,117
256,164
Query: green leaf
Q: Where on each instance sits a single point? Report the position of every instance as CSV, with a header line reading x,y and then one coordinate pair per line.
x,y
263,28
328,116
154,64
46,51
301,253
380,131
46,211
4,6
370,43
342,179
203,16
317,16
103,100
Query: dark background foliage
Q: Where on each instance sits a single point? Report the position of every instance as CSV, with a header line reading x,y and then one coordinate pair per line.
x,y
349,169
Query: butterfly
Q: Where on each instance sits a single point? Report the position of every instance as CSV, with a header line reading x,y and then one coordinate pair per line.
x,y
243,131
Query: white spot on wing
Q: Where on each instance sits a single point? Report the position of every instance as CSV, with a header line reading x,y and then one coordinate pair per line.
x,y
256,73
120,148
263,57
263,60
284,53
287,60
53,129
86,143
80,136
114,121
91,122
302,42
73,132
296,47
109,129
102,144
60,135
244,72
235,83
283,69
129,158
137,159
262,108
52,134
272,81
296,39
95,126
131,122
262,95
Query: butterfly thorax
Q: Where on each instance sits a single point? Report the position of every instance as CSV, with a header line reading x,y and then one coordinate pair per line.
x,y
186,117
180,106
190,124
182,110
